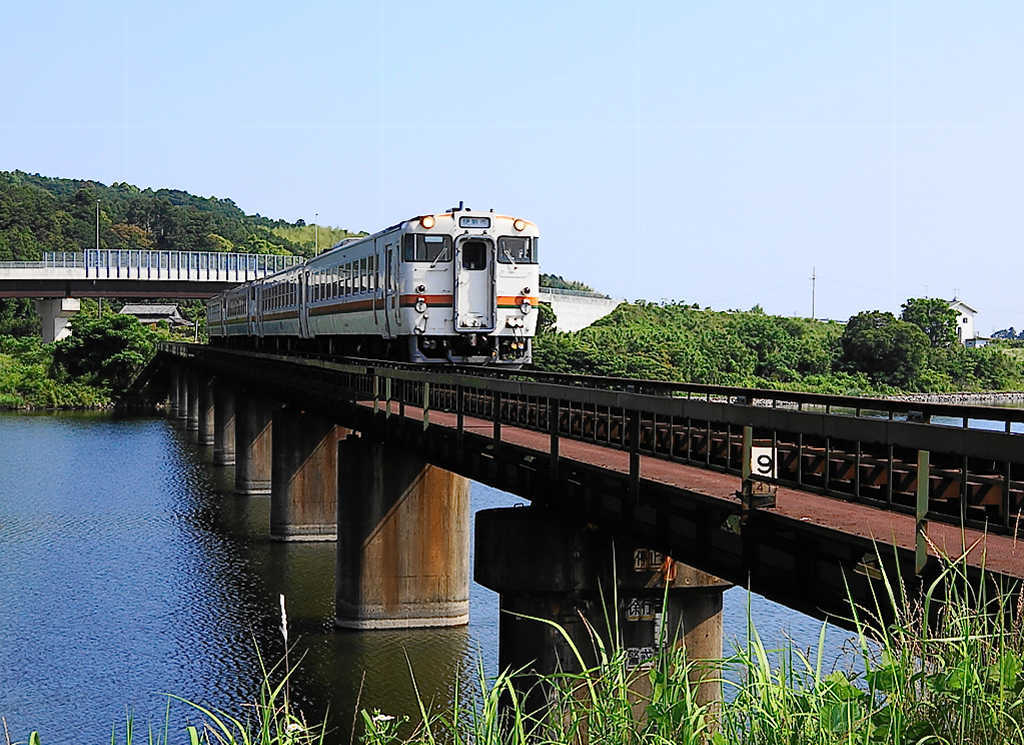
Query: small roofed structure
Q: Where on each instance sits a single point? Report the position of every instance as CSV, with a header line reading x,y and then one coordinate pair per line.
x,y
152,314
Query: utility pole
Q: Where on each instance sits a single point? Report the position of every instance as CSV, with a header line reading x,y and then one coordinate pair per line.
x,y
316,233
814,280
99,307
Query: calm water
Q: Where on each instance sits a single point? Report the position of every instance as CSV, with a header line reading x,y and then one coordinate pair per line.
x,y
129,569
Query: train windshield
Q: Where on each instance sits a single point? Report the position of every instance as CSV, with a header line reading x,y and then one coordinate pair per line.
x,y
432,248
517,250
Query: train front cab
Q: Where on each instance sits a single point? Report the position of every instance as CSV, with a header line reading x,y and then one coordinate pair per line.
x,y
492,277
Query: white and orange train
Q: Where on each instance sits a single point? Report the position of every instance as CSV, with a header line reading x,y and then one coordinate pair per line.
x,y
458,287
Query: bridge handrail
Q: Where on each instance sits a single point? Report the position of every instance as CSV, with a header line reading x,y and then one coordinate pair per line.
x,y
577,293
984,457
104,261
894,408
589,388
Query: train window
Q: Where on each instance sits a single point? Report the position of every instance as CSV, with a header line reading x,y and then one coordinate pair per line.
x,y
474,255
517,250
432,248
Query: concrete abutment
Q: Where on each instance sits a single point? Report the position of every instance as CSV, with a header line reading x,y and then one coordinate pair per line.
x,y
403,540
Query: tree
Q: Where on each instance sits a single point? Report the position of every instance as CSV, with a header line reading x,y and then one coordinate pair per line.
x,y
106,350
131,237
934,317
546,318
887,349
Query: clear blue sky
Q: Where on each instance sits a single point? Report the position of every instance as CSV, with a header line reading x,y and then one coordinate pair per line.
x,y
709,151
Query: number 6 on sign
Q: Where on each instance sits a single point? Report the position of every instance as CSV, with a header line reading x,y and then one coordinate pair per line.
x,y
762,462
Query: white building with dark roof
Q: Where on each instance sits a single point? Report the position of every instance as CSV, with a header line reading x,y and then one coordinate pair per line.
x,y
965,315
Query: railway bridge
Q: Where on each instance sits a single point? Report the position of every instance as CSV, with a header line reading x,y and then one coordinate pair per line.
x,y
60,279
647,488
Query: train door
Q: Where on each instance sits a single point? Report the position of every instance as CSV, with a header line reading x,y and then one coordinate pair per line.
x,y
474,284
251,311
259,309
390,291
303,280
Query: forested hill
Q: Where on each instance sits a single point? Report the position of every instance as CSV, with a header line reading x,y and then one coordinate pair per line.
x,y
38,214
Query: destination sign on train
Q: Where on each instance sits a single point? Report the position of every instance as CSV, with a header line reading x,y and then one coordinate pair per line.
x,y
474,222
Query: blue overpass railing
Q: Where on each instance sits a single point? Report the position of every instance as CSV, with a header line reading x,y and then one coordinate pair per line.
x,y
177,265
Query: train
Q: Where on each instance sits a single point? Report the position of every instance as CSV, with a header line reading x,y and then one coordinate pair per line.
x,y
458,287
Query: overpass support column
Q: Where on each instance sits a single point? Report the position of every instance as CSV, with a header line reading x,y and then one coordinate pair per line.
x,y
192,400
304,480
253,441
403,540
223,425
55,315
546,568
206,412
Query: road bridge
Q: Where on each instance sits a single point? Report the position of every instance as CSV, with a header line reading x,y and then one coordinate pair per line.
x,y
377,455
60,279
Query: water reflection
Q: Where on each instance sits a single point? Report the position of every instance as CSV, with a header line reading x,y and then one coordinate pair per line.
x,y
130,568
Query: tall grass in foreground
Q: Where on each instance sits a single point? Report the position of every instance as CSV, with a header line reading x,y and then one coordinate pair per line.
x,y
948,668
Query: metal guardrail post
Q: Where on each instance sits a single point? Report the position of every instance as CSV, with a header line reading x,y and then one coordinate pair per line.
x,y
921,511
496,415
748,444
387,396
553,414
460,416
426,405
634,454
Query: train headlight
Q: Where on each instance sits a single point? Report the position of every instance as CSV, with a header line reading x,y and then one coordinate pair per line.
x,y
519,224
421,305
427,221
525,306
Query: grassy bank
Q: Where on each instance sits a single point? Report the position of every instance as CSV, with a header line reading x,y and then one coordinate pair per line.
x,y
956,679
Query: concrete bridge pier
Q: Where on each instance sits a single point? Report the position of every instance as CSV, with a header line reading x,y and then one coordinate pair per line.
x,y
180,382
223,424
253,443
192,402
173,400
304,478
546,568
403,540
206,410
